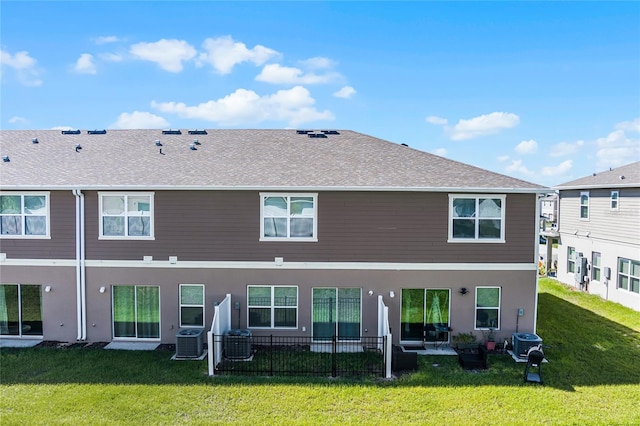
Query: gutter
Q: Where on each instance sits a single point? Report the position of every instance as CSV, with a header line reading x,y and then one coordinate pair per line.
x,y
81,299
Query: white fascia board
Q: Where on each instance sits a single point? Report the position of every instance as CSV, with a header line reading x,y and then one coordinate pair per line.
x,y
601,186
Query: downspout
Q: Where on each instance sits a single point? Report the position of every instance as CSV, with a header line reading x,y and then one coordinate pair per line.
x,y
81,300
535,259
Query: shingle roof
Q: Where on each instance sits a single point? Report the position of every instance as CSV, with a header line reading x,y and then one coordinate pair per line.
x,y
623,176
232,159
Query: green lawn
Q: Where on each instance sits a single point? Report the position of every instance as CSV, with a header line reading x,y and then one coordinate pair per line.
x,y
593,377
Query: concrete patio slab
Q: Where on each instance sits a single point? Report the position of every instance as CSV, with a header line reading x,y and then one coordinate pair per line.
x,y
133,346
18,343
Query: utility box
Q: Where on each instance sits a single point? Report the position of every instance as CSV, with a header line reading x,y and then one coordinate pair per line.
x,y
521,342
237,344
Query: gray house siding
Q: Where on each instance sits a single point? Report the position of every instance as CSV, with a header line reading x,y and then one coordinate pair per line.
x,y
352,227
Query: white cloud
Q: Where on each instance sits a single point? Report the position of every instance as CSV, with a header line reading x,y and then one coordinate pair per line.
x,y
107,39
629,126
442,152
139,120
563,149
17,120
484,125
617,149
438,121
85,64
24,66
168,54
345,93
243,106
558,170
527,147
503,158
516,166
317,63
277,74
223,54
111,57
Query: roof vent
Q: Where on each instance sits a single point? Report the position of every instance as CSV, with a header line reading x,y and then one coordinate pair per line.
x,y
196,142
71,132
330,132
622,178
171,132
317,135
5,158
192,147
97,132
197,132
404,144
34,140
303,132
158,143
78,147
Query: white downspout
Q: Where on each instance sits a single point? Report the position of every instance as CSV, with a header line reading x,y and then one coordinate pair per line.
x,y
81,305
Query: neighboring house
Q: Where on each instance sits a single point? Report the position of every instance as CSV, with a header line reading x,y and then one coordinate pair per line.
x,y
599,230
133,235
549,207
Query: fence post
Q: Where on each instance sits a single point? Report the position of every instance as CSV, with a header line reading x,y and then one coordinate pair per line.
x,y
271,355
334,361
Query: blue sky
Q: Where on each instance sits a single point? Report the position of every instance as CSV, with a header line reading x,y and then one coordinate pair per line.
x,y
546,92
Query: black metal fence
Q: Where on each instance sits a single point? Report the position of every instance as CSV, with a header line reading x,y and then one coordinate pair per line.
x,y
300,356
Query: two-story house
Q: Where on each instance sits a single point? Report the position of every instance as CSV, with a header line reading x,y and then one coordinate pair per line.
x,y
599,230
133,235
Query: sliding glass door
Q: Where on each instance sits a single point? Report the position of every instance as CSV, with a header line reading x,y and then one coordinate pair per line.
x,y
423,313
336,312
136,311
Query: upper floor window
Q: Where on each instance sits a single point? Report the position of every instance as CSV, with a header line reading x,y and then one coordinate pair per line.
x,y
126,215
476,218
288,217
629,275
584,205
614,200
24,215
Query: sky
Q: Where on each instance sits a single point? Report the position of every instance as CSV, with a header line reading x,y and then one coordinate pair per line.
x,y
546,92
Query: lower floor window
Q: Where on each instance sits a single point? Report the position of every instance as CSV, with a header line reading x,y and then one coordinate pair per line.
x,y
20,310
424,314
571,259
191,305
136,311
336,312
487,307
596,260
629,275
272,306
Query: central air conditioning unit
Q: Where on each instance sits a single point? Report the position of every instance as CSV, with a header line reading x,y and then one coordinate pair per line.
x,y
521,343
237,344
189,343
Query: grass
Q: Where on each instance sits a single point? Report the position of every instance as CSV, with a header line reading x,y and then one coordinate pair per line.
x,y
593,377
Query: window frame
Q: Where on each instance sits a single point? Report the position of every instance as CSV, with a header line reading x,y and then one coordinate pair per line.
x,y
583,206
191,305
571,260
476,238
338,314
497,308
136,322
272,307
23,215
288,196
629,276
614,202
596,266
126,216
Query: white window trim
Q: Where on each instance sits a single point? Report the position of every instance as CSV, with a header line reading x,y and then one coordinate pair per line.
x,y
595,267
137,339
629,276
47,234
273,307
151,235
476,240
571,259
498,308
264,195
588,205
181,305
617,201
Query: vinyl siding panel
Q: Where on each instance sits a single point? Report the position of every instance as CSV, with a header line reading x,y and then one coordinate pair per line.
x,y
622,225
352,227
62,224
